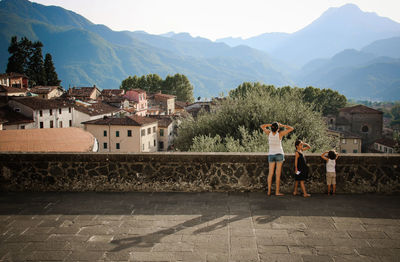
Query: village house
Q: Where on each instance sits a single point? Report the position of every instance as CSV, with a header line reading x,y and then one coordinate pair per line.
x,y
15,80
164,101
127,134
384,145
12,91
345,142
47,92
165,134
13,120
180,107
86,111
138,100
360,120
52,113
84,93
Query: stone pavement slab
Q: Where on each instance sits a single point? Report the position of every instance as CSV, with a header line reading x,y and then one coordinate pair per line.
x,y
198,227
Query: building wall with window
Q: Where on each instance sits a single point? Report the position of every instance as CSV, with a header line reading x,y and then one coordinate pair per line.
x,y
45,118
125,139
350,145
165,137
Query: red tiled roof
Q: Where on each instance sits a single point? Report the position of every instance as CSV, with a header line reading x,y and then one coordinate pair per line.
x,y
12,75
11,90
81,91
123,121
95,109
386,142
163,121
37,103
46,140
180,104
112,92
360,109
43,89
164,96
13,118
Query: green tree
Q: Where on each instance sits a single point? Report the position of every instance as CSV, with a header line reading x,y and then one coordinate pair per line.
x,y
20,52
51,77
36,70
180,86
327,101
395,112
234,123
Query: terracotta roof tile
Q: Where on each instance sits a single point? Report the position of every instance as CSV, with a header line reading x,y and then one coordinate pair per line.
x,y
13,118
386,142
11,90
122,121
37,103
43,89
95,109
46,140
112,92
360,109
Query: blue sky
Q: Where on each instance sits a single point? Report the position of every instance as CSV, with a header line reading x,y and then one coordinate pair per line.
x,y
214,18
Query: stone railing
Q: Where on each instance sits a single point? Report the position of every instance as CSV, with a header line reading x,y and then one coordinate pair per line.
x,y
188,172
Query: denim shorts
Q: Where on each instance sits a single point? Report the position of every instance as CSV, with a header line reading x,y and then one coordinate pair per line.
x,y
276,158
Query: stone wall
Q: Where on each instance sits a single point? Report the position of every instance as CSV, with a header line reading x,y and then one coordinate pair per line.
x,y
190,172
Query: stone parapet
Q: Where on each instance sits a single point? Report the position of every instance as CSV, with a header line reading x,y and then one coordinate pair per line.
x,y
188,172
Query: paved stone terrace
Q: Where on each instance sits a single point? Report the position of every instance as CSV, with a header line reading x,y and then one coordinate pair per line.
x,y
198,227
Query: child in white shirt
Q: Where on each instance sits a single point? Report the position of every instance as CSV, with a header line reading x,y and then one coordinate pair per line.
x,y
330,158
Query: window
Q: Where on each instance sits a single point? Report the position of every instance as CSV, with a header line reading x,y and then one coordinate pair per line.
x,y
51,124
129,132
60,111
154,129
105,145
364,129
390,150
69,110
355,141
385,149
376,146
61,124
343,150
17,110
143,132
117,133
161,132
155,143
40,113
380,148
117,145
355,151
149,131
105,133
143,146
70,122
51,112
160,145
343,141
22,127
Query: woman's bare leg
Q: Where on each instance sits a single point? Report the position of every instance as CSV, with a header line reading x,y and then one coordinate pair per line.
x,y
278,178
296,184
303,187
270,174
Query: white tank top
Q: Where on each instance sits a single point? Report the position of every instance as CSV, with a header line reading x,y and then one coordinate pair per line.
x,y
275,145
330,165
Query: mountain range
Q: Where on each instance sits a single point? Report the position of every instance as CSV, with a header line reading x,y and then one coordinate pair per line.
x,y
345,49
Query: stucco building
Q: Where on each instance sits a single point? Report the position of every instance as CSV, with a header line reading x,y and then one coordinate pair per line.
x,y
125,135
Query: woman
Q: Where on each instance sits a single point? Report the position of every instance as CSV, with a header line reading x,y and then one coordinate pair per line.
x,y
275,154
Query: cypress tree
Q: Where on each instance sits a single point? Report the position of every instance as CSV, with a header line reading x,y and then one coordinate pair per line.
x,y
50,71
20,52
35,70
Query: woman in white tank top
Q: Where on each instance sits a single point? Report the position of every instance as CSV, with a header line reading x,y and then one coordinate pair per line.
x,y
275,154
